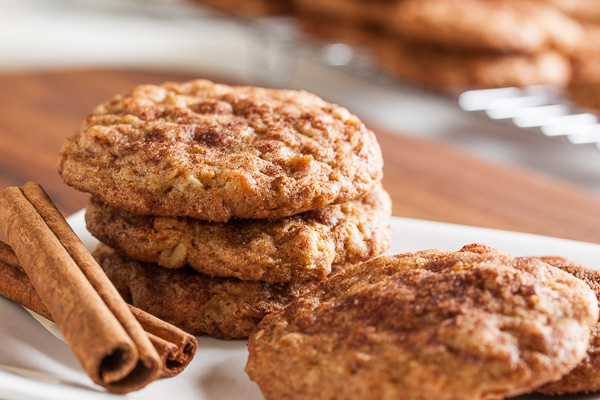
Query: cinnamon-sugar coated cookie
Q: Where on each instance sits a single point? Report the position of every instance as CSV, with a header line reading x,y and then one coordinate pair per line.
x,y
471,324
216,152
297,248
454,72
508,26
585,377
585,10
225,308
249,8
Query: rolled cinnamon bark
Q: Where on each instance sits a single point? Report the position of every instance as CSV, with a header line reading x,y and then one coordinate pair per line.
x,y
175,347
107,340
15,285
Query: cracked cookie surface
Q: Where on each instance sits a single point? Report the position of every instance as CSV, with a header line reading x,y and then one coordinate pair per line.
x,y
216,152
225,308
471,324
584,378
297,248
518,26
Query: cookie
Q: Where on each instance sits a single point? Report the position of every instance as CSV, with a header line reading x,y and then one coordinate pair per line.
x,y
586,94
455,72
587,52
358,35
297,248
355,12
472,324
518,26
585,85
250,8
585,378
225,308
216,152
585,10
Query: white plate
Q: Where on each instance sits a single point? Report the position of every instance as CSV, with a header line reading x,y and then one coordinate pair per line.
x,y
34,364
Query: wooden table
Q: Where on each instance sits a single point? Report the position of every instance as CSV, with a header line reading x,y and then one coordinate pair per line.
x,y
426,180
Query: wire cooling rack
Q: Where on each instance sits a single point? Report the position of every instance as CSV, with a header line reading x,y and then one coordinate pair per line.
x,y
541,109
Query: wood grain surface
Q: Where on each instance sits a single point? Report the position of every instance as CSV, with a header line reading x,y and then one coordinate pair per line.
x,y
426,180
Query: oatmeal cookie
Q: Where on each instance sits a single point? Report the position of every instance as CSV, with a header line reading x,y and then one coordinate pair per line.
x,y
518,26
297,248
472,324
249,8
584,88
357,35
586,95
225,308
455,72
216,152
351,12
585,378
585,10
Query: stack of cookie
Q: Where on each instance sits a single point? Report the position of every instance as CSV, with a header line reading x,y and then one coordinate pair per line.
x,y
217,205
454,45
355,22
249,8
584,87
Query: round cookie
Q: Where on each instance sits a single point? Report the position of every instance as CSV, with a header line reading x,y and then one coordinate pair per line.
x,y
586,95
216,152
472,324
297,248
585,10
350,12
455,72
518,26
585,85
225,308
250,8
584,378
357,35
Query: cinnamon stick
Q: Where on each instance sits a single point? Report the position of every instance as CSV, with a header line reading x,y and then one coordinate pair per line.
x,y
109,343
175,347
15,285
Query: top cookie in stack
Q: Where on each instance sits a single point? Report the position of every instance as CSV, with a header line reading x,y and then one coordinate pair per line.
x,y
216,152
217,204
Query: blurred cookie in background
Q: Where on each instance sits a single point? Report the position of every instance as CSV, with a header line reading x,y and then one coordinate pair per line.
x,y
360,37
585,59
455,45
451,45
584,88
358,12
585,378
505,26
587,10
249,8
454,72
354,22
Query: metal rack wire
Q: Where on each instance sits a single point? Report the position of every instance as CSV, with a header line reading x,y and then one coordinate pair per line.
x,y
541,109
